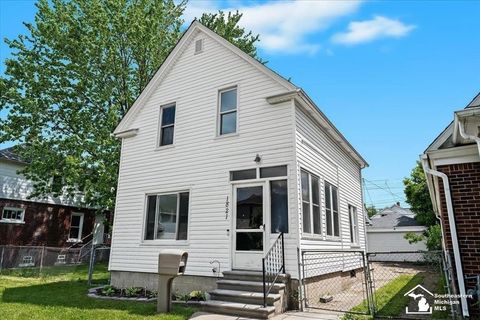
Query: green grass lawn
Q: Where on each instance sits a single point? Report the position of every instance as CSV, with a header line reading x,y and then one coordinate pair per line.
x,y
60,293
390,299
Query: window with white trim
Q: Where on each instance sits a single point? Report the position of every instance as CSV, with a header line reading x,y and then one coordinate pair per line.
x,y
331,210
311,203
167,216
227,118
167,125
76,226
13,215
353,219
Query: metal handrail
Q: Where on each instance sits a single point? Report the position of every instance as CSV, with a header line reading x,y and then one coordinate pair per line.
x,y
273,264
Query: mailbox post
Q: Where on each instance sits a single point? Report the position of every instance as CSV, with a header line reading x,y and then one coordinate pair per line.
x,y
171,263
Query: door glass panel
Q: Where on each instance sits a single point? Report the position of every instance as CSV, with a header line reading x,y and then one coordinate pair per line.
x,y
249,241
279,206
250,208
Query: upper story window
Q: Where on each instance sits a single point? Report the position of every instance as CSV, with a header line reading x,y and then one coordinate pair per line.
x,y
13,215
228,111
167,216
311,203
167,124
353,219
331,210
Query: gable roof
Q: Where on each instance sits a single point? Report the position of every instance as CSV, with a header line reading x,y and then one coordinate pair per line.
x,y
192,30
10,155
394,217
445,137
124,131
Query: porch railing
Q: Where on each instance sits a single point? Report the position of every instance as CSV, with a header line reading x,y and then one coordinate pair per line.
x,y
273,265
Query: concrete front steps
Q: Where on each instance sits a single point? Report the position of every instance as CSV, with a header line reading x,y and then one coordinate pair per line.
x,y
240,293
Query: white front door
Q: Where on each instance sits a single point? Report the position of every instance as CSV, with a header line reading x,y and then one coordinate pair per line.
x,y
248,226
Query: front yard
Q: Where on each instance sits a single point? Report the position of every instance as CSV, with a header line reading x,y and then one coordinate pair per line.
x,y
62,295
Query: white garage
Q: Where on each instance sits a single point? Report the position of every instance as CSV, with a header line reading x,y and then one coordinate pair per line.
x,y
386,233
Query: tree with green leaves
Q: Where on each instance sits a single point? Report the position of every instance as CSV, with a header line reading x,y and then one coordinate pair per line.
x,y
371,211
418,197
75,74
227,26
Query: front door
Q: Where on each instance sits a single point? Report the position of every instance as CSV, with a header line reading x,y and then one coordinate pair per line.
x,y
249,226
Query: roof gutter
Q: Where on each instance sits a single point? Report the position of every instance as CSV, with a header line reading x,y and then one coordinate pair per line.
x,y
459,123
453,230
125,134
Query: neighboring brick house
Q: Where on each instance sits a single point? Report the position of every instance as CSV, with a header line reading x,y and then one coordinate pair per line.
x,y
452,165
53,222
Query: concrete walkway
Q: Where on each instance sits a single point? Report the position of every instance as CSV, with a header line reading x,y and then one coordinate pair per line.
x,y
291,315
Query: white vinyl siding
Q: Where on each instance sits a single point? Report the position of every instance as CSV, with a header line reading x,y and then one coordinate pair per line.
x,y
322,156
201,161
17,187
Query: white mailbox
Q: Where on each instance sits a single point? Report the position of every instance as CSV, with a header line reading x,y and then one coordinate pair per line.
x,y
171,263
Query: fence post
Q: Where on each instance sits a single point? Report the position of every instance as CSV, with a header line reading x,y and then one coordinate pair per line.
x,y
300,288
41,259
90,265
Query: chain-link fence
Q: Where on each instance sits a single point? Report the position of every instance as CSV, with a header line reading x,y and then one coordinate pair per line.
x,y
98,265
404,285
335,280
42,261
396,285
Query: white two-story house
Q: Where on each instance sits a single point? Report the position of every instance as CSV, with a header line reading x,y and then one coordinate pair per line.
x,y
220,155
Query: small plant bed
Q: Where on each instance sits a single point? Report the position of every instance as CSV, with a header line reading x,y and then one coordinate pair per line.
x,y
129,294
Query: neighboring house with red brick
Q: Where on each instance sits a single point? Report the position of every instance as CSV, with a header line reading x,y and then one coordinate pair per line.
x,y
54,222
452,167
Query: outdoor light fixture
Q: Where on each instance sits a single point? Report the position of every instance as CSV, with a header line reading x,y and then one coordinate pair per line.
x,y
258,158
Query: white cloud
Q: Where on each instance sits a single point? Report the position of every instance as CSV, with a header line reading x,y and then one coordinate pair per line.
x,y
369,30
283,26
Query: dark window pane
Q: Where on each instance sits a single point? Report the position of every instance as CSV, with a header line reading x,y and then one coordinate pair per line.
x,y
243,174
334,199
74,232
279,206
167,216
249,241
150,224
315,191
168,116
75,222
316,220
329,222
167,136
228,100
249,208
350,216
306,217
183,216
336,225
328,199
279,171
305,187
228,123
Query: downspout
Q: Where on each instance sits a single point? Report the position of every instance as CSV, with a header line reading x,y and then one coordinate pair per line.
x,y
453,230
464,135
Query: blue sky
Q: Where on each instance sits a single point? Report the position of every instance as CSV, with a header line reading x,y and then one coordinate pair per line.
x,y
388,74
